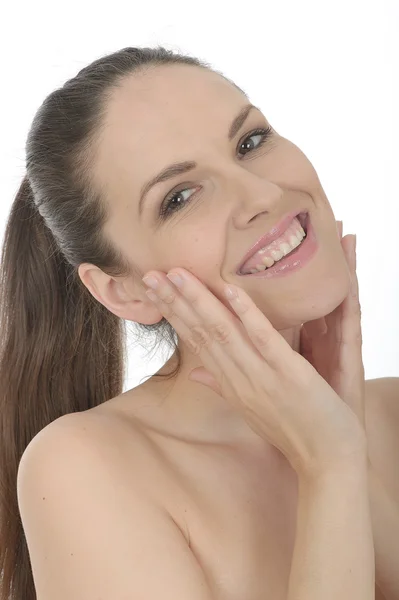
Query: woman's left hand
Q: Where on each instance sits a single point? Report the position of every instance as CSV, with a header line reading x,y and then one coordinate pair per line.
x,y
333,344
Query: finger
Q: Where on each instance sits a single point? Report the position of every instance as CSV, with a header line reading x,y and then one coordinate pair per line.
x,y
339,228
219,324
344,322
173,307
351,331
208,328
348,337
334,318
267,340
213,356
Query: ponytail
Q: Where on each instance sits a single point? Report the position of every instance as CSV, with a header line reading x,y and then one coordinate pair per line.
x,y
61,351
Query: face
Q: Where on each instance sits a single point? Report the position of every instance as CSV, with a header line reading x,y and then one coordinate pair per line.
x,y
206,219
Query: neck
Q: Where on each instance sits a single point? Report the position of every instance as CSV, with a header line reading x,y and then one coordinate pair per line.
x,y
195,410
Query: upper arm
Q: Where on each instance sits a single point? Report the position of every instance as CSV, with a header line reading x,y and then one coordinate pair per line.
x,y
90,535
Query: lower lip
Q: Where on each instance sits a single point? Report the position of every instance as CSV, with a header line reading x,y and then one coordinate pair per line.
x,y
294,261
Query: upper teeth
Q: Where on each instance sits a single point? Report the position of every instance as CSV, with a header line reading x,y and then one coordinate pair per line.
x,y
280,249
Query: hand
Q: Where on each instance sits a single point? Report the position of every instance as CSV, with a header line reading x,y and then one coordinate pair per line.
x,y
248,363
333,344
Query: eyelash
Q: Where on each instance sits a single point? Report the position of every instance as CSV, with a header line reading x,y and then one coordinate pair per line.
x,y
165,211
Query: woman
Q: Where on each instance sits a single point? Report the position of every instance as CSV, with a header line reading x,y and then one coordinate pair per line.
x,y
243,473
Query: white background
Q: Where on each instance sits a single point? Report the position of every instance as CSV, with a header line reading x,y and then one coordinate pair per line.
x,y
324,74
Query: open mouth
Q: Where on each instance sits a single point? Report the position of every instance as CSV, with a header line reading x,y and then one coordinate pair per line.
x,y
303,218
284,246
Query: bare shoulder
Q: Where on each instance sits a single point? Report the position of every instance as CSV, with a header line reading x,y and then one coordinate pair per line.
x,y
382,404
95,523
99,435
382,427
384,389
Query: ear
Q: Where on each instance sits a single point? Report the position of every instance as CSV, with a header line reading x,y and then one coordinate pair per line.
x,y
124,297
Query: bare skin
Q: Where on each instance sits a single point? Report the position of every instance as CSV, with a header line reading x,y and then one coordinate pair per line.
x,y
230,492
235,503
152,121
232,504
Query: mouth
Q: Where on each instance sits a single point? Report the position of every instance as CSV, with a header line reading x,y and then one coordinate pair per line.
x,y
283,240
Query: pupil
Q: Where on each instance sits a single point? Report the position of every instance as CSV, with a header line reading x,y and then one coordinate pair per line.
x,y
247,145
174,201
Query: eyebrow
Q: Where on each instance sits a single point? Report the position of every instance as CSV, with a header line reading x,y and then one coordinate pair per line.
x,y
183,167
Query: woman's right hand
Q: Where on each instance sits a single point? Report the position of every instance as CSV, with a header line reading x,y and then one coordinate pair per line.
x,y
278,392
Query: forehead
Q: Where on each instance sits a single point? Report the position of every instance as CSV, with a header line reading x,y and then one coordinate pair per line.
x,y
170,97
162,115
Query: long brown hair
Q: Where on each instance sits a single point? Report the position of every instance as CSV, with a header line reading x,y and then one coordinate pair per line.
x,y
61,351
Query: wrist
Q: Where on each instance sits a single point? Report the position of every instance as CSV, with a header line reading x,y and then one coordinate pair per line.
x,y
356,469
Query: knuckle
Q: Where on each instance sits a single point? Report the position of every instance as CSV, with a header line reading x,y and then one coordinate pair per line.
x,y
358,337
192,346
356,308
194,299
261,338
169,298
199,336
356,331
220,333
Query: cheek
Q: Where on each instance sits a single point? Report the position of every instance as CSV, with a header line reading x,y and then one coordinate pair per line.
x,y
199,254
300,174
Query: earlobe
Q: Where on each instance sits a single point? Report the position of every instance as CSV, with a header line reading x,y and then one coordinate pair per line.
x,y
129,302
139,311
123,298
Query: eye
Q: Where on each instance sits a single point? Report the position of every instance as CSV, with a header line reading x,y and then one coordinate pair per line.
x,y
167,206
263,134
167,210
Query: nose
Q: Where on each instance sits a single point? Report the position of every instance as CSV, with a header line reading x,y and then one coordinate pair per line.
x,y
252,195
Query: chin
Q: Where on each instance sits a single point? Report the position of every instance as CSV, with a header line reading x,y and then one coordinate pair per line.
x,y
322,293
326,297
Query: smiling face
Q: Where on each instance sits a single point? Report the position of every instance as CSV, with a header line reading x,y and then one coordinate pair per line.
x,y
207,218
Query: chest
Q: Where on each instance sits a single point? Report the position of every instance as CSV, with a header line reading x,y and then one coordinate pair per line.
x,y
238,514
239,518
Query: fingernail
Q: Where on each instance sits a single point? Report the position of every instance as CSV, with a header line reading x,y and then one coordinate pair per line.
x,y
176,279
151,281
230,293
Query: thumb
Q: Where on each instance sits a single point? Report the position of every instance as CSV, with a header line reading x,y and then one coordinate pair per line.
x,y
201,375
